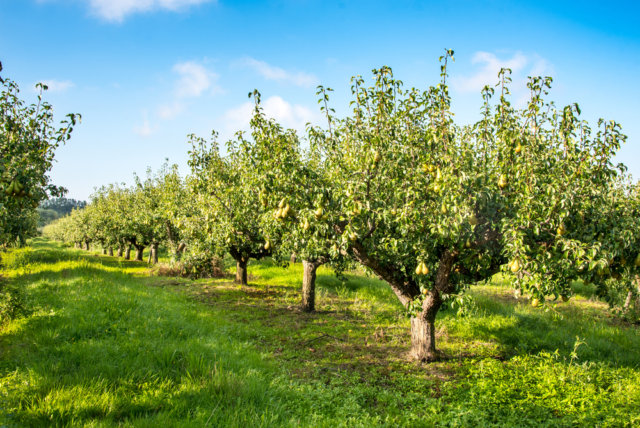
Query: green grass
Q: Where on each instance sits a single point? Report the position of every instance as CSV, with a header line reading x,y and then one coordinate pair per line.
x,y
105,344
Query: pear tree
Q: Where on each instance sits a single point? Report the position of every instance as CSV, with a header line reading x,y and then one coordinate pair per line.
x,y
298,202
228,207
28,140
436,207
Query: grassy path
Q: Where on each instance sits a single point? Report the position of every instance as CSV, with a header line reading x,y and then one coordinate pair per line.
x,y
107,345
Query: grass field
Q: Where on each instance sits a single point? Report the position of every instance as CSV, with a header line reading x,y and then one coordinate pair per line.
x,y
105,344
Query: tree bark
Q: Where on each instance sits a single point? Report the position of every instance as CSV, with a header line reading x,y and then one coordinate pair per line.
x,y
293,258
241,271
423,329
127,252
104,251
153,255
86,245
309,285
120,251
629,299
110,251
139,253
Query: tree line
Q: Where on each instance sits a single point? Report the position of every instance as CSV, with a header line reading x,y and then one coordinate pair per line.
x,y
396,186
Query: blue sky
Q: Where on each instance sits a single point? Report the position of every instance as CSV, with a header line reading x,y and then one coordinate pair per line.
x,y
145,73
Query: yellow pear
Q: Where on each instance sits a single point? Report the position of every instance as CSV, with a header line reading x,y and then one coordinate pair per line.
x,y
377,157
515,266
561,230
535,302
502,181
425,269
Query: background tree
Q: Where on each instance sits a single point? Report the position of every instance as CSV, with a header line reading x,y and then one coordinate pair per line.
x,y
229,207
297,199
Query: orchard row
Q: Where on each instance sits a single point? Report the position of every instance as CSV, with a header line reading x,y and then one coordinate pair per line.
x,y
429,206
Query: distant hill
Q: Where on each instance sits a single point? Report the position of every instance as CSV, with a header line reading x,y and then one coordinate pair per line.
x,y
55,208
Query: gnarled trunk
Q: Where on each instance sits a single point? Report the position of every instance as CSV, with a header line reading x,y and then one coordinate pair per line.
x,y
110,251
104,251
139,252
86,245
309,285
241,271
127,252
120,251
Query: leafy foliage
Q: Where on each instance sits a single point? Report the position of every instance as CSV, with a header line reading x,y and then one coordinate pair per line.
x,y
28,140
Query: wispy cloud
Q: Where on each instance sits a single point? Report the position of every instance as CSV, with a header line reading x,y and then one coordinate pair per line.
x,y
194,80
145,130
271,72
118,10
57,85
490,64
289,115
170,110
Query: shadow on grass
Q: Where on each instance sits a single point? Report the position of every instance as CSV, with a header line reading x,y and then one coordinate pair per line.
x,y
521,330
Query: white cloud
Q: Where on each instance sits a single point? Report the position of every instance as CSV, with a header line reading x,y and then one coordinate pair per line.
x,y
288,115
57,85
170,111
271,72
520,64
145,129
194,79
117,10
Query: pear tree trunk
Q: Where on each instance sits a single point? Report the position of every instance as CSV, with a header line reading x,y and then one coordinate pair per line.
x,y
139,253
241,271
86,245
104,251
309,285
110,251
153,256
127,252
120,251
